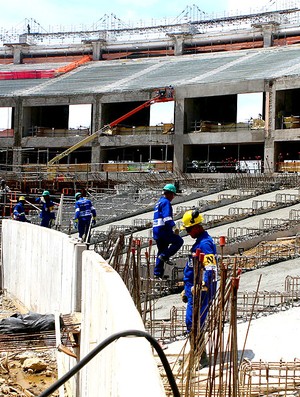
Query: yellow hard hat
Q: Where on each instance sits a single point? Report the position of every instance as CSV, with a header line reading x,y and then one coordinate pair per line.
x,y
191,218
22,198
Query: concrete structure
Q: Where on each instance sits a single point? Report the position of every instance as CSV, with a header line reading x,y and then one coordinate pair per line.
x,y
209,71
70,279
66,280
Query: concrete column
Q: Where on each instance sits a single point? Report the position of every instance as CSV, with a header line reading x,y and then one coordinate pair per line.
x,y
96,116
179,117
18,122
178,135
96,122
79,248
178,42
267,32
269,156
178,45
97,49
268,36
17,158
270,114
270,108
17,55
96,158
178,154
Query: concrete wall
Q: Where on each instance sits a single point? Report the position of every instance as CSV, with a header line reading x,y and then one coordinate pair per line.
x,y
49,272
108,308
39,267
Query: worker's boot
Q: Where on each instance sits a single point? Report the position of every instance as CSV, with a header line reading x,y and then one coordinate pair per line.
x,y
165,260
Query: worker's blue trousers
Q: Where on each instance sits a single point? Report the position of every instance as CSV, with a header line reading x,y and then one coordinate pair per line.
x,y
84,228
166,247
206,299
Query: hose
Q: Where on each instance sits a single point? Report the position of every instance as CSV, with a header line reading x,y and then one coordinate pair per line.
x,y
105,343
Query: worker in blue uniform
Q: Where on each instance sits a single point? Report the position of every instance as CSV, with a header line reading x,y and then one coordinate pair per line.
x,y
19,211
85,216
47,213
192,223
167,240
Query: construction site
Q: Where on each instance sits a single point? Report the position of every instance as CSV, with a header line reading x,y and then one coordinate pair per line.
x,y
254,221
243,176
216,67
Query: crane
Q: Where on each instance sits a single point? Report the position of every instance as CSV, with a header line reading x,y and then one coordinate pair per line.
x,y
162,95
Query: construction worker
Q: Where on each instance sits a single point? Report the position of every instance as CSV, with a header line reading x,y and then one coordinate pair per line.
x,y
4,190
47,213
3,187
192,223
19,211
168,241
85,216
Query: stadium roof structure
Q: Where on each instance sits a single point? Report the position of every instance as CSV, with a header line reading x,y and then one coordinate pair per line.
x,y
98,77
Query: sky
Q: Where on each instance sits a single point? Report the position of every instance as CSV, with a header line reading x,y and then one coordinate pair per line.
x,y
87,12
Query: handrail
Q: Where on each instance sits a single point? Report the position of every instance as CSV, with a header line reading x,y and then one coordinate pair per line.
x,y
105,343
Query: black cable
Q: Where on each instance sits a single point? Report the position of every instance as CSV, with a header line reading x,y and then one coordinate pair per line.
x,y
105,343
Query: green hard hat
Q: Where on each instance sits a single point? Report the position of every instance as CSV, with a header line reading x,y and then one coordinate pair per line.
x,y
46,193
169,188
77,195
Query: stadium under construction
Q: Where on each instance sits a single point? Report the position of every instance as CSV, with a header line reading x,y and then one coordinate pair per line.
x,y
212,64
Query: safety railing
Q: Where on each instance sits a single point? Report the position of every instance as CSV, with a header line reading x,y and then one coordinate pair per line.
x,y
216,126
234,211
286,198
57,132
268,223
294,215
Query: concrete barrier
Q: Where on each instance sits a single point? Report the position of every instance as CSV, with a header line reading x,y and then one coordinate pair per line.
x,y
126,367
49,272
39,267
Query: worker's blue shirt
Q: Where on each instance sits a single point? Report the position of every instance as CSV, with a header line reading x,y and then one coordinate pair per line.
x,y
47,208
207,246
84,209
209,278
163,219
19,212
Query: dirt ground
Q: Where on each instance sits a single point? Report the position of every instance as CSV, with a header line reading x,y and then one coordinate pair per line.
x,y
15,378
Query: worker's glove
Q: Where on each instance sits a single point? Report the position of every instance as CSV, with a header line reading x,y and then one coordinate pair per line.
x,y
183,297
94,222
75,224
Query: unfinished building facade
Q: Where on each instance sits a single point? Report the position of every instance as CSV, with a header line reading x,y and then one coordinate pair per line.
x,y
218,68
